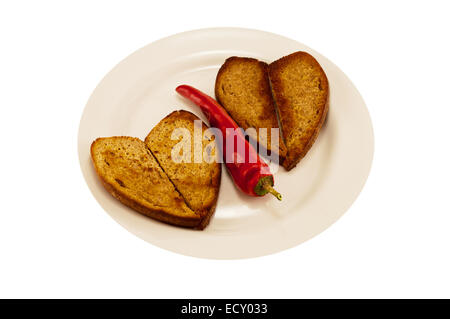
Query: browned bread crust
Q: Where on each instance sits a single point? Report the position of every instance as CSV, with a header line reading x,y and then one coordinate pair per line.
x,y
131,174
198,183
243,89
300,90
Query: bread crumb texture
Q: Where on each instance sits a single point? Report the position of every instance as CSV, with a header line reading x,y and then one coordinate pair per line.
x,y
300,90
130,173
197,182
242,88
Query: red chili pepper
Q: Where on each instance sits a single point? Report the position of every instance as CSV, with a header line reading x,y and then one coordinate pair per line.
x,y
253,176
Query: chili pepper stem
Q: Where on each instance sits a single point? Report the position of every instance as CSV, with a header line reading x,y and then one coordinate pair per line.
x,y
271,190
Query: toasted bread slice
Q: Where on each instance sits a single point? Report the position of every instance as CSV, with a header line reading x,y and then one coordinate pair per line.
x,y
300,90
198,182
243,89
132,175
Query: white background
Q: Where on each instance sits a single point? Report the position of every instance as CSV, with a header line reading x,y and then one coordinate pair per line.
x,y
55,239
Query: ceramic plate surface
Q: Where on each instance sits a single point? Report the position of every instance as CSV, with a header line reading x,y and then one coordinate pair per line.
x,y
140,91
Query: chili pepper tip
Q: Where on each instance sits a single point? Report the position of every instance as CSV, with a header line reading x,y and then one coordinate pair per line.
x,y
271,190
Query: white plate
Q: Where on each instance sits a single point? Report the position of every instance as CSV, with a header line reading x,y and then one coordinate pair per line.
x,y
139,92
